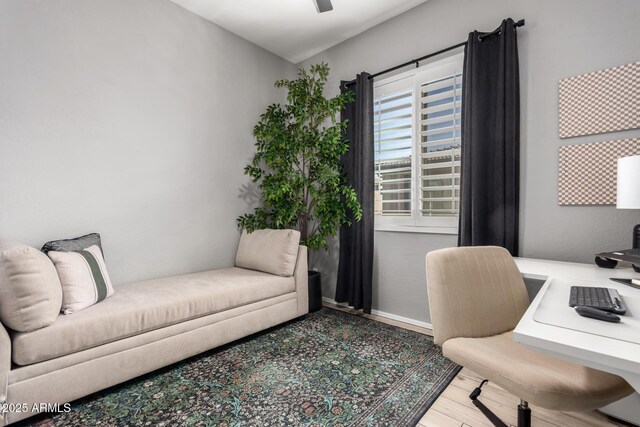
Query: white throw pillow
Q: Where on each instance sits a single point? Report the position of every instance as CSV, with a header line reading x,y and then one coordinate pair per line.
x,y
271,251
84,278
30,293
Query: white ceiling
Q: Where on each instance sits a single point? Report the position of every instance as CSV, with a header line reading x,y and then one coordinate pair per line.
x,y
293,29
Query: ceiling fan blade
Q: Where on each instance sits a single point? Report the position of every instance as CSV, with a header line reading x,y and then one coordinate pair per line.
x,y
323,5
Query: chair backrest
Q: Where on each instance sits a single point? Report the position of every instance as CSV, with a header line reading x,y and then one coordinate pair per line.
x,y
474,292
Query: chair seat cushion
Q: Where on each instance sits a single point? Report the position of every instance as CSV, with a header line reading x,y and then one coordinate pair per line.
x,y
535,377
140,307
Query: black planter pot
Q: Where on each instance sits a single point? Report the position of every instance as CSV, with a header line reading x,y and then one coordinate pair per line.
x,y
315,291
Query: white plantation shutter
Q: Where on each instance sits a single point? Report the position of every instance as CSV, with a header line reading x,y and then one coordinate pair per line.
x,y
417,142
440,143
393,136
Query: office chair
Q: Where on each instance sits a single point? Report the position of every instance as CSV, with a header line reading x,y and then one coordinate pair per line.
x,y
476,298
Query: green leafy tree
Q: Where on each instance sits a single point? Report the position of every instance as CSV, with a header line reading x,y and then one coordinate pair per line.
x,y
297,163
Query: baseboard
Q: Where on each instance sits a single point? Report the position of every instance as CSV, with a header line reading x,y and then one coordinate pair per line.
x,y
386,315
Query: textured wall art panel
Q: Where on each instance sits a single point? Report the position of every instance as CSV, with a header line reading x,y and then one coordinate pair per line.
x,y
587,172
602,101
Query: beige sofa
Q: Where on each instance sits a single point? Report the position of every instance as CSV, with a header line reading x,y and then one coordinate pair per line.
x,y
148,325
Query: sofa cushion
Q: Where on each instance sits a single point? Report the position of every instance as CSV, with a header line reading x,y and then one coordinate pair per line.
x,y
30,292
83,276
271,251
139,307
72,245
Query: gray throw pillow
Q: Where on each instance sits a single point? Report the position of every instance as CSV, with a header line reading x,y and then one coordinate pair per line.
x,y
73,245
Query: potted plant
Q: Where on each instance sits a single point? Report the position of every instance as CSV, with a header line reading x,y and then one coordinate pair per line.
x,y
297,166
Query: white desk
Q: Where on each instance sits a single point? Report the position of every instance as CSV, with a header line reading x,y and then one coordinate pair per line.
x,y
615,356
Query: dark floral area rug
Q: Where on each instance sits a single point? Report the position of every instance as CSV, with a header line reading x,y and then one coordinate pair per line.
x,y
330,369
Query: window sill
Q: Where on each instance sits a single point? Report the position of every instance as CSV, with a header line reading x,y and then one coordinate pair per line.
x,y
417,229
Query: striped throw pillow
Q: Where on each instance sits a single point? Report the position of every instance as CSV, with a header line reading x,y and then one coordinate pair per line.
x,y
84,278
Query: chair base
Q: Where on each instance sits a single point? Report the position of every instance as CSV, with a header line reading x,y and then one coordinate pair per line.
x,y
524,412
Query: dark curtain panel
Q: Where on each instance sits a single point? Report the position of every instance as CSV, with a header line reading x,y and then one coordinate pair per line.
x,y
355,268
490,173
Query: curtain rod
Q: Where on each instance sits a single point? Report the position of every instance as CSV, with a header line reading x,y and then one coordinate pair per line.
x,y
416,61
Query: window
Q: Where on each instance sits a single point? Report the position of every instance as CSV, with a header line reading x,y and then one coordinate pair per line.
x,y
417,141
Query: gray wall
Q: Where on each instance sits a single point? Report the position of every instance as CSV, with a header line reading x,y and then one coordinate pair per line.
x,y
560,39
132,119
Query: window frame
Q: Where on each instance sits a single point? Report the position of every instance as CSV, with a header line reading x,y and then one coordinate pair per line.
x,y
414,80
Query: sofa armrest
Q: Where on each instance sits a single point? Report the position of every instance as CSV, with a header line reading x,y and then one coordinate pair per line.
x,y
300,275
5,367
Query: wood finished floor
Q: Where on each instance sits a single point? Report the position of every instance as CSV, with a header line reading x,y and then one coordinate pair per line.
x,y
454,408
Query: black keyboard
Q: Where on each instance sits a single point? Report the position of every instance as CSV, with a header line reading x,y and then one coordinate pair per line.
x,y
600,298
633,252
